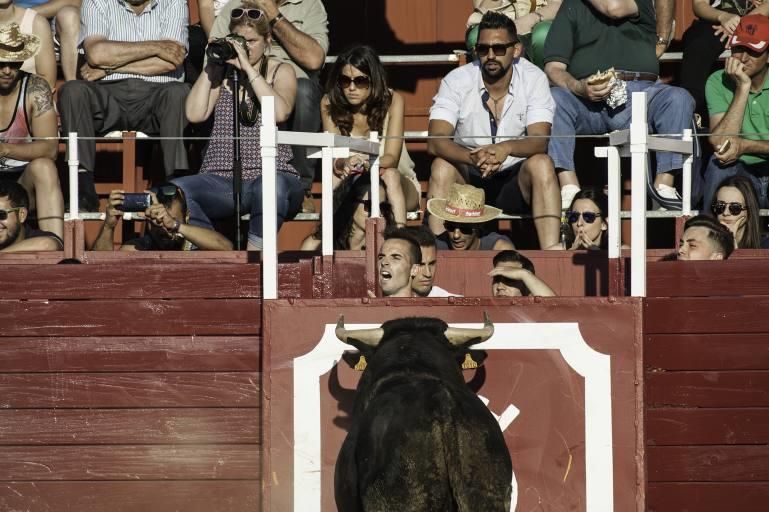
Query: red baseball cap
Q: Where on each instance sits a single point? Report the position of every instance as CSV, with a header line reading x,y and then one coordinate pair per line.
x,y
753,32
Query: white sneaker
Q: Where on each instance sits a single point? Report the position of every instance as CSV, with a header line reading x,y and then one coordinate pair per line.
x,y
667,192
567,195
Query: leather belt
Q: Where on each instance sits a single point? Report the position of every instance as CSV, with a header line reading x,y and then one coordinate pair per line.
x,y
630,76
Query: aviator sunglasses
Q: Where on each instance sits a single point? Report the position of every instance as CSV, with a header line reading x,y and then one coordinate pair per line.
x,y
498,49
589,217
253,14
719,207
4,213
361,82
465,229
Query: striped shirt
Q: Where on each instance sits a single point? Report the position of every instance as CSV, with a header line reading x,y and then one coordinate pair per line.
x,y
115,20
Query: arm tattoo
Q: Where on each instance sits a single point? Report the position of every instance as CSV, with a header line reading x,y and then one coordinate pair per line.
x,y
39,92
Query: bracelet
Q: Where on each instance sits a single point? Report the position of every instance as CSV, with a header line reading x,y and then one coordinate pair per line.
x,y
175,227
662,40
252,80
274,21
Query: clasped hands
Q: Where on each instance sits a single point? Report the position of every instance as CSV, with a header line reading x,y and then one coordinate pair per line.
x,y
489,159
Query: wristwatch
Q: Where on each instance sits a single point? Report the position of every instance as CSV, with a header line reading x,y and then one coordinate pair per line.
x,y
274,21
662,40
175,227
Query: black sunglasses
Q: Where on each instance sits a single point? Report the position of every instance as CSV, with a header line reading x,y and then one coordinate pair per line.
x,y
588,216
465,229
4,213
498,49
719,207
253,14
361,82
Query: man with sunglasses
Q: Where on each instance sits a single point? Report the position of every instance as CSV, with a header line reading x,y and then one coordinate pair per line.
x,y
616,37
738,102
15,234
300,38
477,121
133,79
168,227
513,276
705,238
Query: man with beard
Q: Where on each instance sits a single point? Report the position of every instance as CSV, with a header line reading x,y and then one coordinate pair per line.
x,y
133,80
738,102
26,108
398,263
423,282
168,227
513,276
476,121
15,234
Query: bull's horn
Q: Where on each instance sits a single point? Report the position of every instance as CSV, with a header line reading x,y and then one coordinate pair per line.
x,y
370,337
459,336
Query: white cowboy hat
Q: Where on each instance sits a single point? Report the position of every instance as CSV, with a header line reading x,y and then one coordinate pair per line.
x,y
16,46
464,204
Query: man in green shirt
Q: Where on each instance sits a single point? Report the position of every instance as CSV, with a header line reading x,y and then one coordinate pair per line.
x,y
738,102
595,35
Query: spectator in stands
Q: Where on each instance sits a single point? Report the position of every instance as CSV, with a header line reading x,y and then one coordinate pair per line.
x,y
300,38
705,238
168,227
736,207
513,276
502,96
26,108
532,21
209,194
357,102
42,63
706,38
587,217
465,213
738,105
590,35
399,259
428,266
351,209
64,16
15,234
132,80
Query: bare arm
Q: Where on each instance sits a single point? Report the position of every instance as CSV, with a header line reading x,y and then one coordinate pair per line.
x,y
38,243
301,47
205,239
206,13
45,60
106,54
444,146
283,88
393,145
731,121
528,146
50,8
39,103
204,94
559,76
536,286
524,24
105,240
665,11
615,9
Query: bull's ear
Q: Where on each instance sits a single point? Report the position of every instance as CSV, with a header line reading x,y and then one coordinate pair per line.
x,y
354,360
365,349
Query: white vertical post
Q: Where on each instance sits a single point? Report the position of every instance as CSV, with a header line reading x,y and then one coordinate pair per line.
x,y
73,166
327,201
268,136
686,208
638,153
615,197
374,193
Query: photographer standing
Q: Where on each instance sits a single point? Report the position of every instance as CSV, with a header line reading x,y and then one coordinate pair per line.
x,y
209,194
167,225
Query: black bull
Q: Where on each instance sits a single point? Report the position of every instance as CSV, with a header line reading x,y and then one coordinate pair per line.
x,y
420,439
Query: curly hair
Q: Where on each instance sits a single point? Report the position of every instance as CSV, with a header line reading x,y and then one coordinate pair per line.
x,y
366,60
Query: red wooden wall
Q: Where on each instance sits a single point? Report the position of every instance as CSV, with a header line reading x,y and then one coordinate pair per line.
x,y
707,386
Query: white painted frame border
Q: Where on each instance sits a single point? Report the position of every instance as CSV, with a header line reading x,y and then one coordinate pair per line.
x,y
593,366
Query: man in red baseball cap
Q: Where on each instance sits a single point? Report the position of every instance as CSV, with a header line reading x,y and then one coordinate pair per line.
x,y
738,103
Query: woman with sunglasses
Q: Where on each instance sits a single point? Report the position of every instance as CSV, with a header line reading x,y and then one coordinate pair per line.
x,y
357,102
736,207
209,194
587,218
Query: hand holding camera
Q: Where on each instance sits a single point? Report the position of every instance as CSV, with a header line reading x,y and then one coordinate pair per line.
x,y
159,215
231,49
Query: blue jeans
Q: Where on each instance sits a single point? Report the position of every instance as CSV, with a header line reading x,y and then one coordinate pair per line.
x,y
669,110
715,174
210,197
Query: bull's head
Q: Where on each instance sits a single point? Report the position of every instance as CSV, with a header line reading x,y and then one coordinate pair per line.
x,y
366,340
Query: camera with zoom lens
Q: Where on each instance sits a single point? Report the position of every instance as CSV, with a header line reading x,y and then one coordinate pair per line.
x,y
221,50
